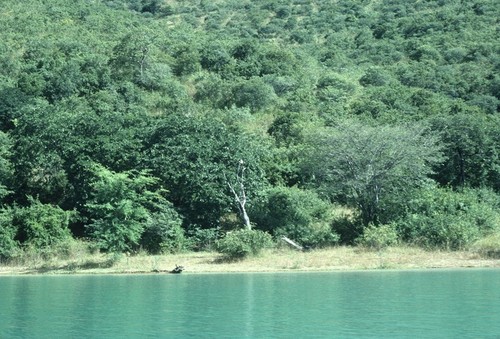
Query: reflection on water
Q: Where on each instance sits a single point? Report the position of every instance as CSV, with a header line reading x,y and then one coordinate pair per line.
x,y
378,304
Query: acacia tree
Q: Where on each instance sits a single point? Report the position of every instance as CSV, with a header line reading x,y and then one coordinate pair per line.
x,y
371,167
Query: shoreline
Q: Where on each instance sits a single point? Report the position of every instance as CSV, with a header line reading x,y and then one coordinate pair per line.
x,y
385,270
337,259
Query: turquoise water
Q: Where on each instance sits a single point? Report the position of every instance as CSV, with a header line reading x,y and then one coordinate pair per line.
x,y
375,304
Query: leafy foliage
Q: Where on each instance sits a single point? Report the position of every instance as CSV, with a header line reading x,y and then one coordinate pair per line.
x,y
5,165
447,219
473,158
163,233
367,167
121,206
204,239
207,151
40,225
242,243
174,94
297,214
489,246
9,247
379,237
254,93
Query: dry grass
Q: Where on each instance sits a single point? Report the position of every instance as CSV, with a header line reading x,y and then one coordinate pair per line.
x,y
277,260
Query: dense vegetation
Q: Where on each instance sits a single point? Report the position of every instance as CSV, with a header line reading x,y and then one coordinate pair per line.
x,y
156,125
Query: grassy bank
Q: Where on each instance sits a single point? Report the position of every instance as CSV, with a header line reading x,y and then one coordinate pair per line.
x,y
276,260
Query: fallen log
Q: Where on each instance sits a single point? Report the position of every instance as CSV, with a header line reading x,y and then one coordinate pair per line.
x,y
177,270
292,243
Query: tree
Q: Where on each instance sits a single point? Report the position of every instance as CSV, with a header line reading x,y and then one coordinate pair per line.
x,y
472,150
367,167
211,91
135,56
215,57
121,205
254,94
240,196
53,144
193,155
5,165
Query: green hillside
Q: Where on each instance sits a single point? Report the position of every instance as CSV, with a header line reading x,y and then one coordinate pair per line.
x,y
161,125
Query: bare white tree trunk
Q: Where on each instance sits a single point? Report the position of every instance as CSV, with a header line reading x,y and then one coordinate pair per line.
x,y
240,196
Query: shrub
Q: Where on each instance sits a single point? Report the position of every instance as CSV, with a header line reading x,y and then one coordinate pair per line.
x,y
374,77
41,225
298,214
204,239
347,224
66,249
378,237
163,233
452,220
488,246
449,232
314,235
9,247
242,243
254,94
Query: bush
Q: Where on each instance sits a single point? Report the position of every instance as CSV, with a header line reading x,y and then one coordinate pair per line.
x,y
67,249
204,239
254,94
164,234
315,235
448,232
175,241
378,237
9,247
242,243
297,214
375,77
488,246
451,220
41,225
346,222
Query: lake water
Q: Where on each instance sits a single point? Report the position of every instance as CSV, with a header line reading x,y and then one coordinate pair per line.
x,y
373,304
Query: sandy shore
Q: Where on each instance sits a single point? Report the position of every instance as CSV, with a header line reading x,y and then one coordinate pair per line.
x,y
334,259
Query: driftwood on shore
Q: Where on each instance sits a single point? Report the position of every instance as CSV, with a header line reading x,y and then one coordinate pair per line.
x,y
292,243
178,269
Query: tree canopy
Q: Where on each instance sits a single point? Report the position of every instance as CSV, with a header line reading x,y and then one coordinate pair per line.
x,y
110,109
367,167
